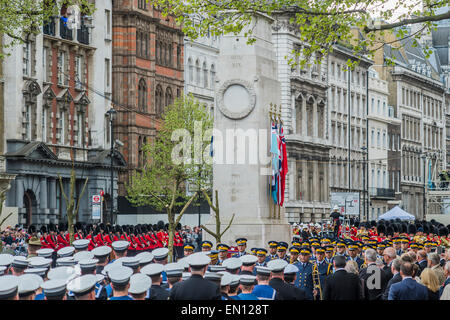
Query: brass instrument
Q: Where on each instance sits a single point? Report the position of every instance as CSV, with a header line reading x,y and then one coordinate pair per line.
x,y
316,280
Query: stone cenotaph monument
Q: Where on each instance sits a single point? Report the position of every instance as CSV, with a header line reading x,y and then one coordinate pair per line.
x,y
245,87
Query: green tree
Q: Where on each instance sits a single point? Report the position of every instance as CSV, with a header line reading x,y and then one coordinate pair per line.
x,y
72,207
179,156
218,234
19,18
321,23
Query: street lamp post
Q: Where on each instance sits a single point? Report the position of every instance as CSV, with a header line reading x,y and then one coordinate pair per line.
x,y
111,112
364,183
424,157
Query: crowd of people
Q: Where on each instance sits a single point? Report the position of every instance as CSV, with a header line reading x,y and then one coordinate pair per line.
x,y
388,260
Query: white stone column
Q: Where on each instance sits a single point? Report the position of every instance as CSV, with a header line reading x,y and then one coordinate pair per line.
x,y
317,188
52,182
304,180
19,192
294,114
43,192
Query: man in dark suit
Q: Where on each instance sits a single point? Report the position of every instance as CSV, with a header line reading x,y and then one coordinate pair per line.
x,y
421,261
196,288
374,278
342,285
389,256
395,269
408,288
285,291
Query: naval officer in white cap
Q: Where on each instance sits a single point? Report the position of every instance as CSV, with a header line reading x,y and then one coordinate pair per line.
x,y
196,287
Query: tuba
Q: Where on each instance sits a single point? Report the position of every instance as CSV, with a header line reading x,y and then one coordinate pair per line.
x,y
316,280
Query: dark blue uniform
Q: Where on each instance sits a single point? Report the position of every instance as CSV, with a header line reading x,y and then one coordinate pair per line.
x,y
271,257
264,292
247,296
121,298
239,254
264,264
304,278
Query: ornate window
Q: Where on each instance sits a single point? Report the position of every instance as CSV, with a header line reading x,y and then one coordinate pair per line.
x,y
30,92
142,96
142,4
212,78
191,71
205,75
81,103
48,97
64,99
197,72
169,96
158,100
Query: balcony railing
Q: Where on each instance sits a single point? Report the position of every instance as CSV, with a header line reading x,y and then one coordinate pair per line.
x,y
382,193
50,28
83,35
65,32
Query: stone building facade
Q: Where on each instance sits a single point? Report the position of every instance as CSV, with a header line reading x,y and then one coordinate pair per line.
x,y
416,94
305,118
378,167
147,75
54,117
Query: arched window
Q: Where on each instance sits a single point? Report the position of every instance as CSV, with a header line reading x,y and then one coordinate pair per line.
x,y
191,71
139,152
142,96
168,96
212,78
157,51
158,100
205,75
170,55
197,69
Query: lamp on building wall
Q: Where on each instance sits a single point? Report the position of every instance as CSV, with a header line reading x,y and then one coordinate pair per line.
x,y
424,157
364,150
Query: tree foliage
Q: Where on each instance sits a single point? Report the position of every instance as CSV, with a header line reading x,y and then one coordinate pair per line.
x,y
19,18
321,23
178,155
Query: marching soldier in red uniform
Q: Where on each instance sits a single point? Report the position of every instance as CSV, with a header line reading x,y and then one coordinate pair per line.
x,y
61,238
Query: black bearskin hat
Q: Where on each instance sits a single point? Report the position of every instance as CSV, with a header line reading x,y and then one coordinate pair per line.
x,y
434,230
31,229
443,231
412,229
373,223
381,229
426,228
160,225
389,231
357,224
43,229
395,227
51,227
178,226
403,228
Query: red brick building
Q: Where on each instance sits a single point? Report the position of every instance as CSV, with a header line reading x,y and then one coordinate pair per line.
x,y
147,74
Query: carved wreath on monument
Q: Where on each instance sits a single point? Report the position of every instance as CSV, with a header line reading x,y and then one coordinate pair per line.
x,y
236,98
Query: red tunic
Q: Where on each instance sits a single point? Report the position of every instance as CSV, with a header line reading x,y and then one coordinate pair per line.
x,y
62,242
52,242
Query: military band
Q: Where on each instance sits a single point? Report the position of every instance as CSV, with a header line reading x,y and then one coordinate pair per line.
x,y
131,263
